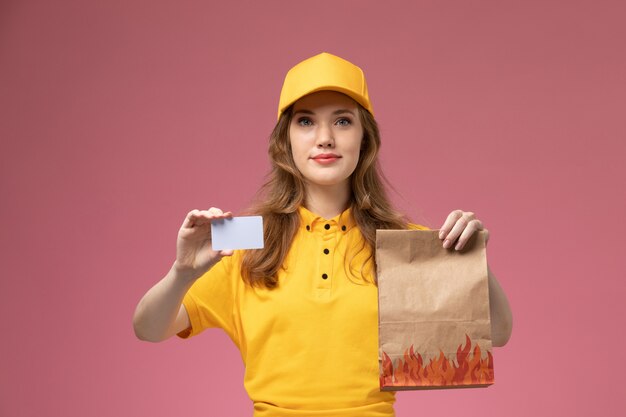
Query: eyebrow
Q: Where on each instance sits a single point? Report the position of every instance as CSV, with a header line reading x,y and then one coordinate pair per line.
x,y
340,111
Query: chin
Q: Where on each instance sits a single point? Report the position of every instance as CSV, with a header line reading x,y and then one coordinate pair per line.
x,y
326,182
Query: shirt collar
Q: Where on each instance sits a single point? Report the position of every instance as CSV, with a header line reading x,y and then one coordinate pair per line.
x,y
310,221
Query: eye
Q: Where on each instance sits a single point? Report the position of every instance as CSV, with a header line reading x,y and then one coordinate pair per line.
x,y
344,122
305,121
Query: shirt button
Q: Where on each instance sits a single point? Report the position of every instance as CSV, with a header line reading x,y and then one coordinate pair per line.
x,y
343,228
326,251
324,276
308,227
327,226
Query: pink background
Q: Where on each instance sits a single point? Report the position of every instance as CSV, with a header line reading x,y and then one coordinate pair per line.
x,y
118,118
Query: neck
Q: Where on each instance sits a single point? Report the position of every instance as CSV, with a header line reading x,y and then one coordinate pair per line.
x,y
327,201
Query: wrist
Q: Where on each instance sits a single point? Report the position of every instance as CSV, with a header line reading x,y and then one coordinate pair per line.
x,y
184,273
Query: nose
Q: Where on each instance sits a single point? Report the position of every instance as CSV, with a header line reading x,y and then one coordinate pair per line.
x,y
325,137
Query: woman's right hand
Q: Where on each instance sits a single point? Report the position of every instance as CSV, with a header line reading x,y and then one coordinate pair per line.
x,y
194,253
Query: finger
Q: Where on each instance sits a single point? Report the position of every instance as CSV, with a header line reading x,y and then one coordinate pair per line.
x,y
456,231
228,252
449,223
472,227
458,228
201,218
219,214
206,216
215,211
189,219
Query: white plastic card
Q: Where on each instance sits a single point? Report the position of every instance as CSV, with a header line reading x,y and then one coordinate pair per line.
x,y
245,232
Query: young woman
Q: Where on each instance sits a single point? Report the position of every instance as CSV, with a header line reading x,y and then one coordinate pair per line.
x,y
303,310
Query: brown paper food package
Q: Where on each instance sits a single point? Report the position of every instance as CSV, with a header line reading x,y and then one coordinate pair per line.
x,y
433,311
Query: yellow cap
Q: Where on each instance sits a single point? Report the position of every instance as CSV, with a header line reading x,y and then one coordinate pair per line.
x,y
324,72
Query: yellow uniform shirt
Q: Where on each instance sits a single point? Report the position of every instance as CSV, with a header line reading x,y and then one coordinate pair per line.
x,y
311,344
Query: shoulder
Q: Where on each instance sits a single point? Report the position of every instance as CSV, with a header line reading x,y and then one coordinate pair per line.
x,y
414,226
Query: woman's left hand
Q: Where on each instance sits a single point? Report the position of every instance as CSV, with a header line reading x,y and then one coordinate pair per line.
x,y
458,228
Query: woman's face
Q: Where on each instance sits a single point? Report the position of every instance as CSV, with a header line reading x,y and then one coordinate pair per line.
x,y
326,134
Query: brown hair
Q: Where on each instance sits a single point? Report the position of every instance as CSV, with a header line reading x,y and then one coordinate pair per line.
x,y
283,193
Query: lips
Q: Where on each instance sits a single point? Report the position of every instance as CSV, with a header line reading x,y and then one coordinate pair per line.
x,y
326,157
